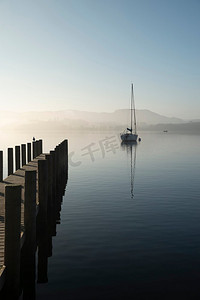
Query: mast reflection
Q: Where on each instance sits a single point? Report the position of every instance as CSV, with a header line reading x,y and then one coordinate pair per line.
x,y
130,148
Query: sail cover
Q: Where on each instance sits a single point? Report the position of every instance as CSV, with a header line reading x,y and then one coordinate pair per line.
x,y
129,129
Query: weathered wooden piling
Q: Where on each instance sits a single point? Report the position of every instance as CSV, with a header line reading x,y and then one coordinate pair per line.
x,y
37,148
1,166
66,153
40,146
66,159
30,208
38,195
49,163
42,220
28,152
12,237
53,228
57,167
10,161
43,191
42,267
17,157
28,250
51,198
23,146
34,149
53,173
28,274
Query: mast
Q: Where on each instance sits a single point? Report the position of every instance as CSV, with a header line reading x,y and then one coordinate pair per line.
x,y
133,108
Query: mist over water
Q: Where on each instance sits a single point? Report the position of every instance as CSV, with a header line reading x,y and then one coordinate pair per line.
x,y
129,219
73,120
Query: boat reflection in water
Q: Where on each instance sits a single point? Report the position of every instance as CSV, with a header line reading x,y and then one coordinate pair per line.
x,y
130,148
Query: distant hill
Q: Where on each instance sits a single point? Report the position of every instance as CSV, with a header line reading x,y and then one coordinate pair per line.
x,y
83,120
121,116
146,117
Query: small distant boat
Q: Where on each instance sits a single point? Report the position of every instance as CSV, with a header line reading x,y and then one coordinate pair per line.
x,y
130,134
165,130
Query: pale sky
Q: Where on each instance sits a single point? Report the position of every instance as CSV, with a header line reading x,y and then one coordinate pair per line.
x,y
84,54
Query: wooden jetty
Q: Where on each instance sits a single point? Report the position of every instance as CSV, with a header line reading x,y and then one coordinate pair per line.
x,y
30,201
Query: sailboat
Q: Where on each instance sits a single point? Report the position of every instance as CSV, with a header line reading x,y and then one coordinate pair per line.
x,y
130,134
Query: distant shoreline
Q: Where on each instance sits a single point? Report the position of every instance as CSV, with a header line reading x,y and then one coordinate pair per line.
x,y
191,127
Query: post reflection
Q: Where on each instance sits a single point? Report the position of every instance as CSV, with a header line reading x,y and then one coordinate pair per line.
x,y
34,260
130,148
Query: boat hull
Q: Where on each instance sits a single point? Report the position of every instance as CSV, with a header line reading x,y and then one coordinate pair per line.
x,y
129,137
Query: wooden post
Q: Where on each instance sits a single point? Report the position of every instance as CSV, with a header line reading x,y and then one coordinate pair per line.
x,y
65,173
49,162
53,174
67,160
30,209
42,221
12,238
17,157
43,190
40,147
23,154
37,148
42,267
56,169
53,193
59,161
51,198
57,181
34,149
29,246
10,161
1,165
63,166
28,152
60,180
61,152
28,273
66,153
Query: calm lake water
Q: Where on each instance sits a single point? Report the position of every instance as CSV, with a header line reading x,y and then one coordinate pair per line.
x,y
130,219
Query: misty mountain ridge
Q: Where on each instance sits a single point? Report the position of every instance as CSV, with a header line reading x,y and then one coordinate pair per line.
x,y
119,116
75,119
